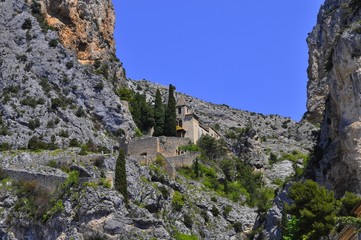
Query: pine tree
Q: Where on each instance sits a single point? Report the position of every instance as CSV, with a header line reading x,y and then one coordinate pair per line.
x,y
170,114
158,115
315,207
120,181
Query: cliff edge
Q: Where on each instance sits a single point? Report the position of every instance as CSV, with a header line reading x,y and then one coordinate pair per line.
x,y
334,94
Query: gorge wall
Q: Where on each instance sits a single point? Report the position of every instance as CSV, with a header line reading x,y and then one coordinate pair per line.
x,y
334,98
85,26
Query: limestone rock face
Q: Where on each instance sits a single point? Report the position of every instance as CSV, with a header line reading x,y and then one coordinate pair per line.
x,y
46,93
85,26
334,94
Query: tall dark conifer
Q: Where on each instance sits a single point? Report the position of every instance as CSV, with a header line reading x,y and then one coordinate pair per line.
x,y
142,113
120,181
170,114
158,115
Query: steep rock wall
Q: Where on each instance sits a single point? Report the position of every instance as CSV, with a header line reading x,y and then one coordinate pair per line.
x,y
85,26
334,90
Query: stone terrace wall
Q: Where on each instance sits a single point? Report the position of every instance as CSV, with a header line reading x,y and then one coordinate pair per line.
x,y
46,180
185,160
139,147
168,146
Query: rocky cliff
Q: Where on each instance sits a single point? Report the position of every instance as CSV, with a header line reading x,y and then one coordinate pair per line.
x,y
60,123
86,27
46,93
334,94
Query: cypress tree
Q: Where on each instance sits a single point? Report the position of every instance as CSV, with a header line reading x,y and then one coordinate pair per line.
x,y
136,110
142,112
170,114
196,168
120,181
158,115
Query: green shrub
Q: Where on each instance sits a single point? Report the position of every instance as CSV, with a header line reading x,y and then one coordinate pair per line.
x,y
44,83
215,211
27,24
64,133
83,151
56,103
189,148
205,216
188,222
32,102
58,207
294,156
4,130
4,146
74,143
33,124
160,160
125,94
53,164
181,236
212,148
103,70
99,86
69,64
237,226
273,158
226,210
279,182
53,43
80,112
22,58
36,144
348,201
105,183
32,198
177,201
13,89
164,191
315,209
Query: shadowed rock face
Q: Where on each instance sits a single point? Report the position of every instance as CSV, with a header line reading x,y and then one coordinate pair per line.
x,y
334,94
84,26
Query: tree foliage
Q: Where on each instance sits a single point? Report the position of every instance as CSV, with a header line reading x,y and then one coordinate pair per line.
x,y
212,148
120,180
159,115
170,114
142,112
349,201
315,208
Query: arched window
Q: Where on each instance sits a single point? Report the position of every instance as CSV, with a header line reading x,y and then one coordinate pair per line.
x,y
180,122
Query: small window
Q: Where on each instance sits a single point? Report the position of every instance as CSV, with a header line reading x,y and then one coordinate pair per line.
x,y
179,110
180,123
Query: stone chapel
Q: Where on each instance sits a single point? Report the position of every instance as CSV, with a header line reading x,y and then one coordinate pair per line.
x,y
188,125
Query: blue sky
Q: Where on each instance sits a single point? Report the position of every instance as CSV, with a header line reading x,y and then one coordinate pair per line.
x,y
250,55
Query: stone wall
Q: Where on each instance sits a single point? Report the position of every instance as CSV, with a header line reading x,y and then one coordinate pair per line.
x,y
144,151
47,180
141,148
148,147
168,146
185,160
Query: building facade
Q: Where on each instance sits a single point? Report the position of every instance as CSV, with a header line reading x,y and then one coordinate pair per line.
x,y
188,125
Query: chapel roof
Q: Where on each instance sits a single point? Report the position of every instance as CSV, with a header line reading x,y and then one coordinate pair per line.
x,y
181,101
